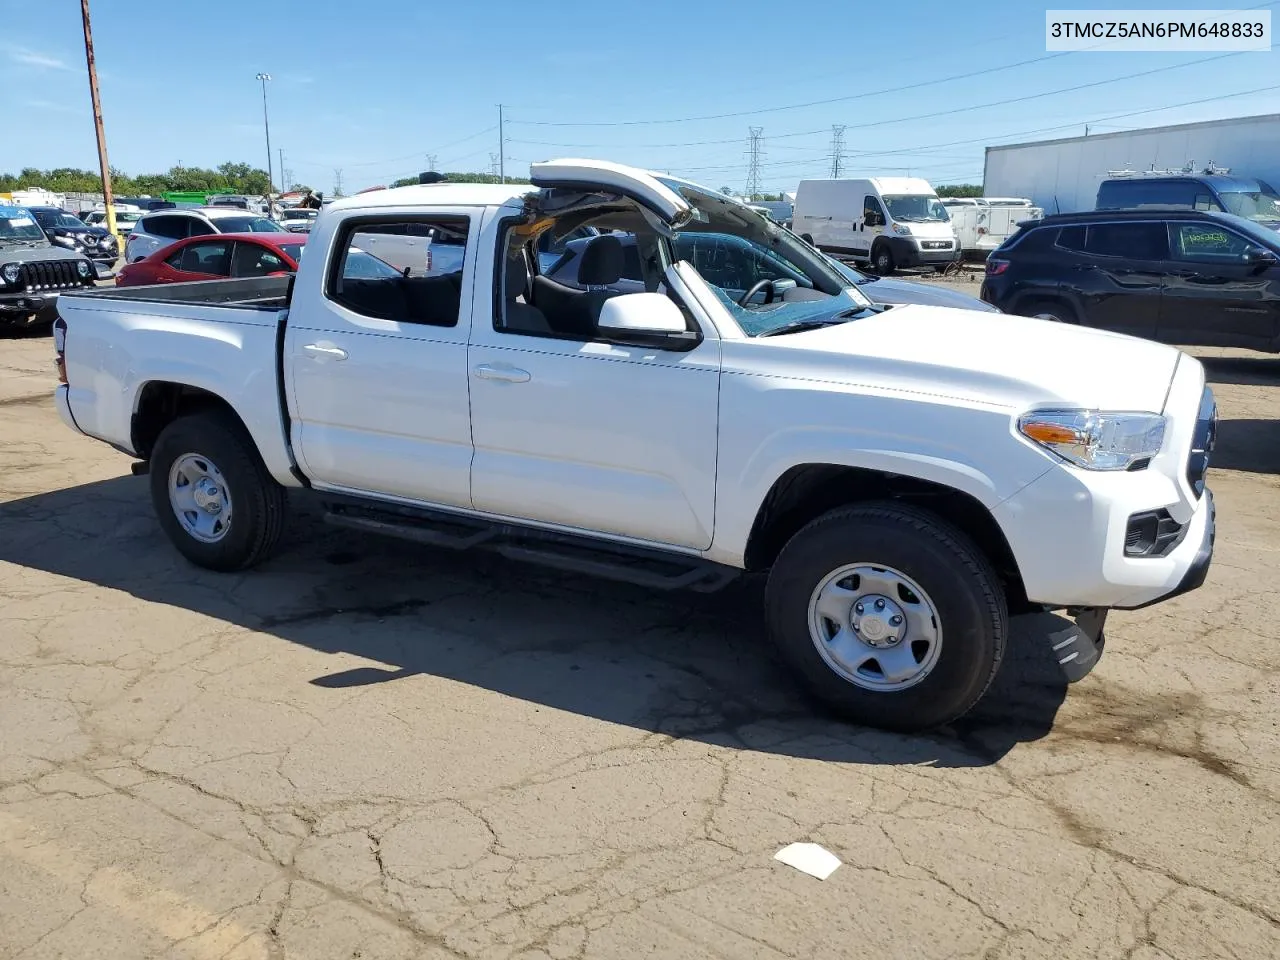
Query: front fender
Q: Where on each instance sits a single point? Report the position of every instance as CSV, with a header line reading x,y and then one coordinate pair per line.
x,y
765,433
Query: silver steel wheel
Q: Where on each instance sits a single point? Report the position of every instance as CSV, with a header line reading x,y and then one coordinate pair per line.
x,y
875,627
1047,316
200,498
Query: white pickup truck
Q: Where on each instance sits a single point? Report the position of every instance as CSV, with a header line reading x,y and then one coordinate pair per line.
x,y
908,476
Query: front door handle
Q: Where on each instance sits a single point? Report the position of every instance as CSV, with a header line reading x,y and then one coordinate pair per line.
x,y
325,350
505,374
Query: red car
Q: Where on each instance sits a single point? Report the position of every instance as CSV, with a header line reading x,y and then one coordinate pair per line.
x,y
217,256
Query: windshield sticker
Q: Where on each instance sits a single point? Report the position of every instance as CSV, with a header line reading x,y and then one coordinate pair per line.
x,y
22,221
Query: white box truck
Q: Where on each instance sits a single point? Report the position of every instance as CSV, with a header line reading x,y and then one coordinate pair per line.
x,y
889,222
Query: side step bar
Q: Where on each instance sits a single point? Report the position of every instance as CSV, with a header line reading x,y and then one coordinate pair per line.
x,y
643,567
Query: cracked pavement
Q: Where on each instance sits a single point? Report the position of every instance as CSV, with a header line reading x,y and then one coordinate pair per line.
x,y
366,749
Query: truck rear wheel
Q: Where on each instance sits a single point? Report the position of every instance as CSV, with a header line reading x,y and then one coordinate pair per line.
x,y
212,493
889,615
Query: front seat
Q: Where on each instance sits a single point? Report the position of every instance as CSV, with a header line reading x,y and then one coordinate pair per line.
x,y
574,313
602,263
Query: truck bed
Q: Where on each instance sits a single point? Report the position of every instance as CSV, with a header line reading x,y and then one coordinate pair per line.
x,y
258,293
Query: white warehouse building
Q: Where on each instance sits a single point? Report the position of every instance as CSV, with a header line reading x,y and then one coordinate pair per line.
x,y
1062,176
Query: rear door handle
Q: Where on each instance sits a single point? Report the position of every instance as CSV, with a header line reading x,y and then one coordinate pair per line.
x,y
325,350
506,374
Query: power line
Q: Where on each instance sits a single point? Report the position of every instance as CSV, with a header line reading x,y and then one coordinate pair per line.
x,y
795,106
874,93
951,112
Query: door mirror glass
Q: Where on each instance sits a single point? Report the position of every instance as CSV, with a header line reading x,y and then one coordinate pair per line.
x,y
1259,255
641,314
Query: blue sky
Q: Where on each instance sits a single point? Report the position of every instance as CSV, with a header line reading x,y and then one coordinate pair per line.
x,y
374,88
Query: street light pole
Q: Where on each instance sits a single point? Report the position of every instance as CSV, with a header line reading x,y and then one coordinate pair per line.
x,y
107,193
266,124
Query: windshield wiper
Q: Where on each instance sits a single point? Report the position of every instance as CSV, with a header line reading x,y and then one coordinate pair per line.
x,y
800,326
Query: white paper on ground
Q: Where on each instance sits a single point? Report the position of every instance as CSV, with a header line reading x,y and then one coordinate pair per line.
x,y
809,858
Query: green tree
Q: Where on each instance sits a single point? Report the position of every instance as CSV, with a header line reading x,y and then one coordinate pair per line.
x,y
960,190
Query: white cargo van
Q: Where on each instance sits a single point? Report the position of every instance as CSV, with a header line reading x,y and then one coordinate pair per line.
x,y
888,221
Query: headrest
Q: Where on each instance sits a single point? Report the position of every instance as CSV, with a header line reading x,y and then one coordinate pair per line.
x,y
601,262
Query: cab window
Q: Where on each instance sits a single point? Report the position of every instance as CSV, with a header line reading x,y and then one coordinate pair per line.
x,y
403,269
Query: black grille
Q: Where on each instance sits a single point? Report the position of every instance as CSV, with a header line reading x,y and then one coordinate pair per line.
x,y
50,275
1202,441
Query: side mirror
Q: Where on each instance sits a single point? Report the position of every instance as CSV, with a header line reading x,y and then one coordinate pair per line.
x,y
646,319
1259,257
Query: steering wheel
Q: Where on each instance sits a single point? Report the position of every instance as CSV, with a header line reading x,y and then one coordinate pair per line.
x,y
756,288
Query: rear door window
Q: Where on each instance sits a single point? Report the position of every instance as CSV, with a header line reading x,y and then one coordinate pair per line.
x,y
166,225
1132,241
403,269
251,260
209,257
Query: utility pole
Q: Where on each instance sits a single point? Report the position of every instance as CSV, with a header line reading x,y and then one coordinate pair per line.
x,y
264,77
755,150
337,181
107,195
284,179
837,150
502,148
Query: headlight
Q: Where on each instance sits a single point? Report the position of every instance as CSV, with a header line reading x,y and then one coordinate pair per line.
x,y
10,272
1093,439
901,229
65,241
83,267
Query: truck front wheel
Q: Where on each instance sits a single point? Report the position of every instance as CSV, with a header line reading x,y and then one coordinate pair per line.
x,y
889,615
212,493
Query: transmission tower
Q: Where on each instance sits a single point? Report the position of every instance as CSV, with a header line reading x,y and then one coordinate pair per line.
x,y
493,164
755,152
837,150
337,181
431,161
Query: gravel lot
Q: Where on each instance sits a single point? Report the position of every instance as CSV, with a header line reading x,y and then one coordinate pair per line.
x,y
366,749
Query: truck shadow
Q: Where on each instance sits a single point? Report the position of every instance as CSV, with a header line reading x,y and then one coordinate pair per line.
x,y
682,664
1260,371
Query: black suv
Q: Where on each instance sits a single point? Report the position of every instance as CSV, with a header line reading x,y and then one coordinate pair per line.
x,y
1174,275
67,230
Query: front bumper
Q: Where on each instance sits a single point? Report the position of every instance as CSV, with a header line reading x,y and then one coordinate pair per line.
x,y
20,306
907,253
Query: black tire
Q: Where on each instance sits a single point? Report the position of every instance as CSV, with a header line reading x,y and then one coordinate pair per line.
x,y
258,501
1058,311
966,592
882,259
807,238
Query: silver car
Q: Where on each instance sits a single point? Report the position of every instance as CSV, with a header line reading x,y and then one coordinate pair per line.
x,y
160,228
